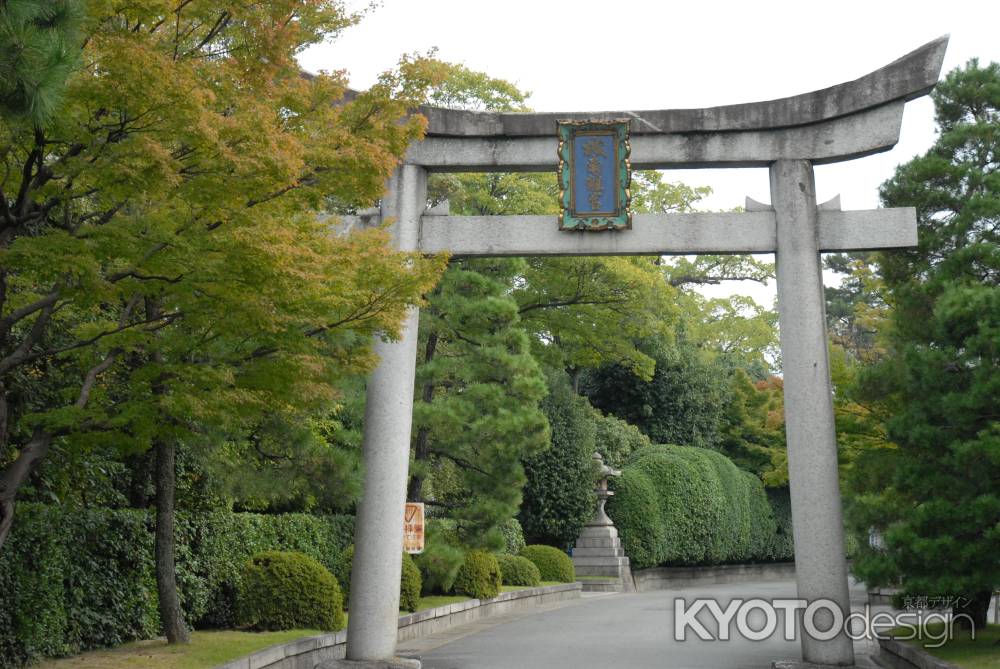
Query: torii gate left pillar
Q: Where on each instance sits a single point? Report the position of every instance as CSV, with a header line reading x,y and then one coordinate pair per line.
x,y
378,546
788,136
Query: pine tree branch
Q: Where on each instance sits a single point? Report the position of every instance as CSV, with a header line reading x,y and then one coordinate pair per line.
x,y
574,301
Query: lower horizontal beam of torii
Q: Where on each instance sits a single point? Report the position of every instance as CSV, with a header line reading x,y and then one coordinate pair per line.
x,y
655,234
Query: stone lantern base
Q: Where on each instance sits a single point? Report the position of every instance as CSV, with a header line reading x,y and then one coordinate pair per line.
x,y
600,561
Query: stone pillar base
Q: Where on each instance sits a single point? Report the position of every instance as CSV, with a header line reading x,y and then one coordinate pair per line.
x,y
394,663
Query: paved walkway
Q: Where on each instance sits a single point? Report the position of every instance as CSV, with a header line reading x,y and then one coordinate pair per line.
x,y
634,631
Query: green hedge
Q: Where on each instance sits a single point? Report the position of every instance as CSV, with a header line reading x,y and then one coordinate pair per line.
x,y
553,564
286,590
781,546
74,581
680,505
71,580
212,549
517,570
442,558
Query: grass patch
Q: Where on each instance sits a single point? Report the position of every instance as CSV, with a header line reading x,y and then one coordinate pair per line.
x,y
981,653
206,650
434,601
209,649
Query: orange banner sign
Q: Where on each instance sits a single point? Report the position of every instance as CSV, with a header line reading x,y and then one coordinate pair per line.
x,y
413,527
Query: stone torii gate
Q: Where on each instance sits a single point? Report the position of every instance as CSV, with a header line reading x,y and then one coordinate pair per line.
x,y
788,136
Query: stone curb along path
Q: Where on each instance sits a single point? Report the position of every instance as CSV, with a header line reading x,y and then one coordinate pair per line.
x,y
898,655
329,649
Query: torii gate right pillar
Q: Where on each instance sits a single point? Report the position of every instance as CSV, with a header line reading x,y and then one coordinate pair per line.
x,y
820,565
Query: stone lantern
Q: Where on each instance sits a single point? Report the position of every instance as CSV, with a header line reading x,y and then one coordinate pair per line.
x,y
598,555
601,517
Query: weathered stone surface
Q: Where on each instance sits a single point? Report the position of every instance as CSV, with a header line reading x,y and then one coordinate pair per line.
x,y
907,78
586,551
672,578
821,568
829,141
395,663
388,417
662,234
587,542
600,560
899,655
598,550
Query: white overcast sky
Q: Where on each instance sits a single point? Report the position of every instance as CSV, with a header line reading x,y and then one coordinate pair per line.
x,y
593,56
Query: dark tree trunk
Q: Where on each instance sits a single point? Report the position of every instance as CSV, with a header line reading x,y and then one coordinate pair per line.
x,y
140,466
166,574
12,478
575,374
414,491
165,478
976,608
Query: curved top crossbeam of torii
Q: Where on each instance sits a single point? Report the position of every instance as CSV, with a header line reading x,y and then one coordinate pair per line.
x,y
842,122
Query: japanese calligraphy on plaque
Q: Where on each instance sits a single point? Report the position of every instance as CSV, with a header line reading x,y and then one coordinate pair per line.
x,y
413,527
594,175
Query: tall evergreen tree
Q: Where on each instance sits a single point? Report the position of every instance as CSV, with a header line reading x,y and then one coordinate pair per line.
x,y
684,402
936,496
559,496
477,412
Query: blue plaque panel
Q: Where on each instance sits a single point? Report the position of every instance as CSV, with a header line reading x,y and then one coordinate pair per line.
x,y
594,175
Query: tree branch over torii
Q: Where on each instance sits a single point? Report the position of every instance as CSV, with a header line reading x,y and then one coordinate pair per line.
x,y
716,269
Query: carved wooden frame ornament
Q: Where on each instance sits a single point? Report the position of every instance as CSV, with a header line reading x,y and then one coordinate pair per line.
x,y
594,175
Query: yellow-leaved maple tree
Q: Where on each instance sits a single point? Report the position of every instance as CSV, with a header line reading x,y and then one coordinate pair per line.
x,y
164,271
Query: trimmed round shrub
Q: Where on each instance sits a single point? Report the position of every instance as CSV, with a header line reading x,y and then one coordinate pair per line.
x,y
479,576
286,590
409,581
552,563
409,584
517,570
